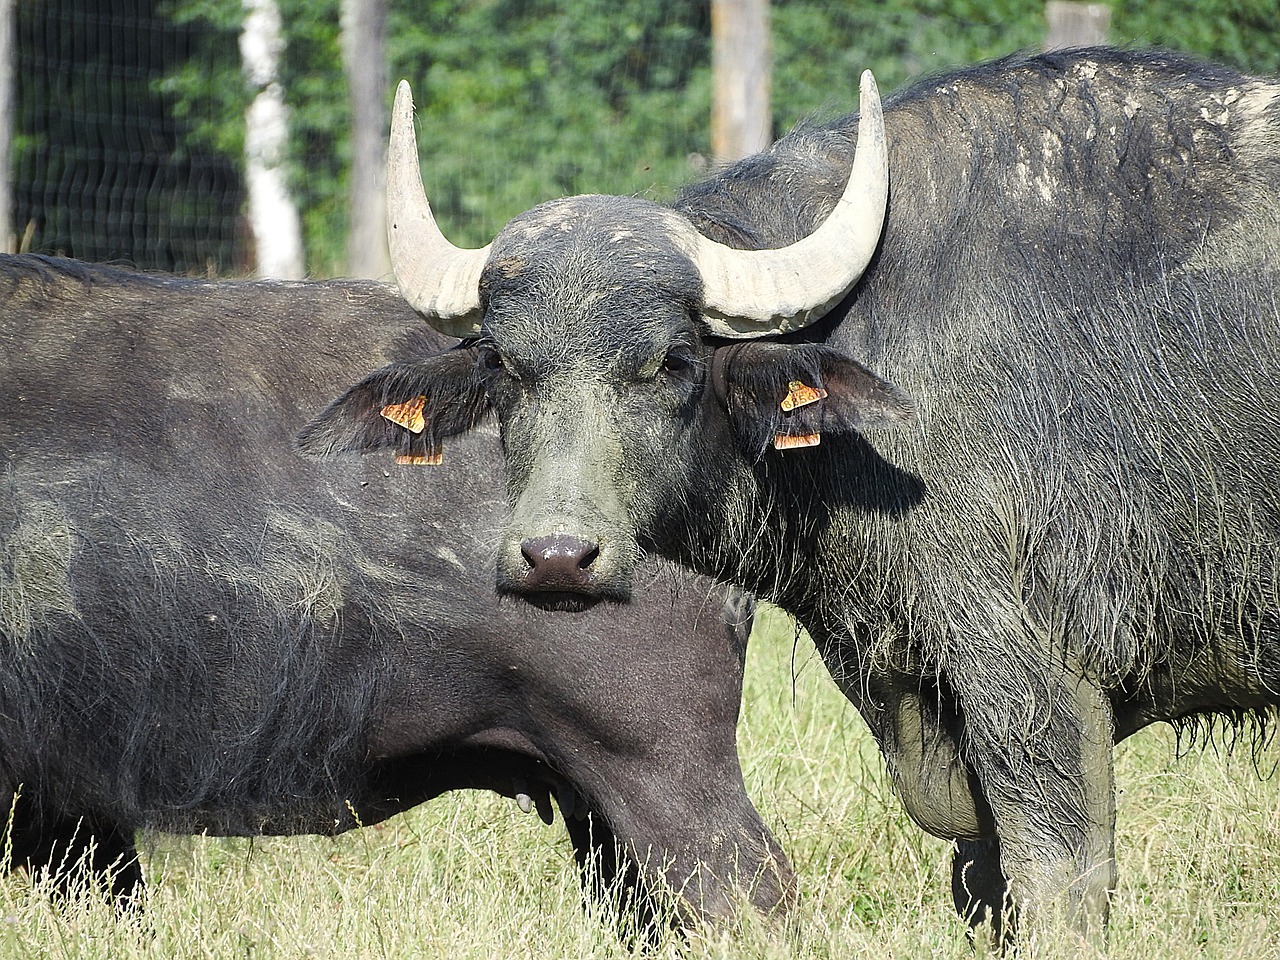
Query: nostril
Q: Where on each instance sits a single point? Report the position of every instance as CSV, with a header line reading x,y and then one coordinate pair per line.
x,y
559,561
559,548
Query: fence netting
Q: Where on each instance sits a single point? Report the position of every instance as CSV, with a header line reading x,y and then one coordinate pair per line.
x,y
129,116
101,166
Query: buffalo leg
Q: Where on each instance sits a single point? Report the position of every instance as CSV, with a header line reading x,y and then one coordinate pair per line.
x,y
71,850
1039,736
980,889
609,877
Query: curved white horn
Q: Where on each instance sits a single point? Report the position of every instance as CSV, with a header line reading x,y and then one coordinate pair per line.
x,y
440,281
754,293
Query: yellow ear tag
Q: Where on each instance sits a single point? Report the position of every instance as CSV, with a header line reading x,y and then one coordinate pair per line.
x,y
420,460
785,442
408,414
801,395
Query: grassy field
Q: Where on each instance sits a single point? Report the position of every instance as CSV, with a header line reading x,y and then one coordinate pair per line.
x,y
469,876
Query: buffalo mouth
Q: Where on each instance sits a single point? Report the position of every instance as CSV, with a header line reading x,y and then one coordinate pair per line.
x,y
560,597
559,601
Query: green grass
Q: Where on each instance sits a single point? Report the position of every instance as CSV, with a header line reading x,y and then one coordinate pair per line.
x,y
469,876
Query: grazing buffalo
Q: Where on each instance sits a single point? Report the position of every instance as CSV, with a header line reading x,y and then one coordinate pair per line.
x,y
204,631
996,420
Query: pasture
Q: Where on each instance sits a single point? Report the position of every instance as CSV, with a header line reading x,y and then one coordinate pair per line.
x,y
469,876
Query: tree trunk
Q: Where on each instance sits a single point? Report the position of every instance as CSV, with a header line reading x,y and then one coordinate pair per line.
x,y
273,218
741,74
364,55
8,241
1073,24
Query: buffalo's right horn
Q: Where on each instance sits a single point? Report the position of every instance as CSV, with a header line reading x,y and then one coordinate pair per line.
x,y
754,293
440,281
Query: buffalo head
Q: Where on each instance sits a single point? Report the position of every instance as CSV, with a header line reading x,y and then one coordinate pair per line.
x,y
621,351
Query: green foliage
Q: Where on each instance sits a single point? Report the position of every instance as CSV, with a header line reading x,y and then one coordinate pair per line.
x,y
211,90
1242,33
820,49
320,115
206,90
96,161
524,100
519,101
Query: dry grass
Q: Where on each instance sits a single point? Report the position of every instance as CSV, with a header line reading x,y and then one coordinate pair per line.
x,y
469,876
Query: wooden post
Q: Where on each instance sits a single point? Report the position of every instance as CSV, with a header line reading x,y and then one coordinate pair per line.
x,y
741,67
1073,24
8,240
364,35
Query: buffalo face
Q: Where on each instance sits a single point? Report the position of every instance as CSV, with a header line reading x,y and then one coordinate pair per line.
x,y
616,346
638,431
583,417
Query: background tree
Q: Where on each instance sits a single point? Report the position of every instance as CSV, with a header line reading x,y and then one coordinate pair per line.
x,y
741,74
364,63
273,218
519,101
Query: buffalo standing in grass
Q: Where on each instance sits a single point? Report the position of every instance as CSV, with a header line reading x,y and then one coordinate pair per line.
x,y
1001,431
204,631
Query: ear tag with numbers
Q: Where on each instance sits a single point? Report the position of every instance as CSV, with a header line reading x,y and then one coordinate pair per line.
x,y
799,394
787,442
407,414
420,459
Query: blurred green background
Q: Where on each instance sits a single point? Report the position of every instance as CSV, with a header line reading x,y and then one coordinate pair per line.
x,y
129,125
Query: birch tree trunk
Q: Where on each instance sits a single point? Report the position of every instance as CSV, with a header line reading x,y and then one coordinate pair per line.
x,y
8,240
273,217
364,34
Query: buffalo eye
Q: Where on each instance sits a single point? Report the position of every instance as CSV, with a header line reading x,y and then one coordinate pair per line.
x,y
491,361
677,363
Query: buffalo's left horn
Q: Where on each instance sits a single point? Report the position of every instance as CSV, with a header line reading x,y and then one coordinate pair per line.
x,y
440,281
753,293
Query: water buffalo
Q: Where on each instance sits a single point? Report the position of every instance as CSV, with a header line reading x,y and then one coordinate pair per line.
x,y
1000,431
204,631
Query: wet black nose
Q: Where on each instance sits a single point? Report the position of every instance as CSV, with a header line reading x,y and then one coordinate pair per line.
x,y
559,562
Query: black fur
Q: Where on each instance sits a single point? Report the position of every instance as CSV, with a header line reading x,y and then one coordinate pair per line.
x,y
204,631
1076,283
1077,534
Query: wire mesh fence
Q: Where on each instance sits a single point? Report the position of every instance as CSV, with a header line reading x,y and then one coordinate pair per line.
x,y
128,115
101,169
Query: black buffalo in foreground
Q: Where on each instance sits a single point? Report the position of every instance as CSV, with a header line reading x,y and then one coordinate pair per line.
x,y
204,631
1002,430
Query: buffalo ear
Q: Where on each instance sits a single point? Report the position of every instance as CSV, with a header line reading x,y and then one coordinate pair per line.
x,y
789,395
406,407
